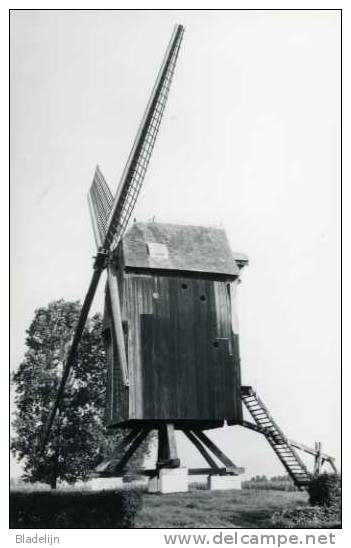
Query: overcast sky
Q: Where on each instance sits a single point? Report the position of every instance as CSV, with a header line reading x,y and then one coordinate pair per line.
x,y
249,141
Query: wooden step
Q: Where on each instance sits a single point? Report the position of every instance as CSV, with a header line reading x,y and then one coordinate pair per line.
x,y
286,454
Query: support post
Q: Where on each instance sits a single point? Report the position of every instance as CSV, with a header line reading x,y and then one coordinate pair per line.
x,y
169,475
167,456
318,458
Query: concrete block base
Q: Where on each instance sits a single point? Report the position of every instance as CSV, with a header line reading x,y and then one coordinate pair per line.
x,y
98,484
153,485
169,480
173,480
223,482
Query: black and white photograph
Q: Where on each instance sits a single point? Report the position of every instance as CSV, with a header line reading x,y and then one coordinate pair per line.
x,y
175,195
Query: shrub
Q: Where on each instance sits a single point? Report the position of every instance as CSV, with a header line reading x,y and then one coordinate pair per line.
x,y
74,509
325,510
198,486
266,485
325,490
306,517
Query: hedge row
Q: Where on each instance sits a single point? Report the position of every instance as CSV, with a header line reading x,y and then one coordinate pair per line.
x,y
269,485
325,490
108,509
306,517
324,510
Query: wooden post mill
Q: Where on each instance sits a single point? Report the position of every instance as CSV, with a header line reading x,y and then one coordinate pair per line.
x,y
170,329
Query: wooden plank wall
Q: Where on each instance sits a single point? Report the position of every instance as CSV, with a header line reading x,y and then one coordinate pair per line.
x,y
183,358
117,395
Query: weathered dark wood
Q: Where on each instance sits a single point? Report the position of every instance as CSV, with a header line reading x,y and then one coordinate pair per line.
x,y
332,464
252,426
183,357
215,471
318,458
310,450
276,438
153,424
191,472
107,338
115,467
236,366
117,322
115,456
215,450
171,441
162,453
167,453
117,393
167,456
195,441
180,365
131,450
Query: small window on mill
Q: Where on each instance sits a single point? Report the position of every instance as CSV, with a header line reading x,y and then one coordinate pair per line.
x,y
157,251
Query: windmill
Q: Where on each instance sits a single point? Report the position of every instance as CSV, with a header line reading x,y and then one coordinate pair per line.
x,y
169,325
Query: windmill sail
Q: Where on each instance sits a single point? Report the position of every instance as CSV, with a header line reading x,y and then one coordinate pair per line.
x,y
100,201
135,169
109,231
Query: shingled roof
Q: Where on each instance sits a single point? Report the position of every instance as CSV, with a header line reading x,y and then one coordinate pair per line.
x,y
178,247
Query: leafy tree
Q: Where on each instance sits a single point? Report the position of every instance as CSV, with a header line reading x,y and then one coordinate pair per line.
x,y
78,440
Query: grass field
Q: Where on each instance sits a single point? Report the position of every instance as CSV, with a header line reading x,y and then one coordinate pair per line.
x,y
202,509
132,506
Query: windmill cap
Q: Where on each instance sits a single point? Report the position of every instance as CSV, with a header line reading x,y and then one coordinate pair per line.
x,y
179,247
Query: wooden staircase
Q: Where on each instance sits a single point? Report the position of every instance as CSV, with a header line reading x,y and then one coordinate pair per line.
x,y
282,447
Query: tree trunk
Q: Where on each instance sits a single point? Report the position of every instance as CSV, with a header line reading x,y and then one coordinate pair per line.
x,y
55,468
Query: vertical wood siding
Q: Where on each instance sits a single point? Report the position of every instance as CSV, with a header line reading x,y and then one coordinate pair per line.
x,y
183,358
117,395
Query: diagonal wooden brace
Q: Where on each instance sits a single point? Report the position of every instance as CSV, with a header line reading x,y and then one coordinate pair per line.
x,y
103,466
129,453
218,453
115,467
194,440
